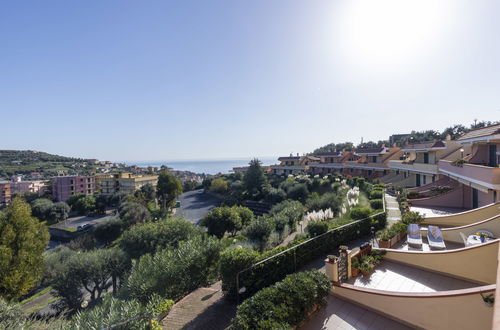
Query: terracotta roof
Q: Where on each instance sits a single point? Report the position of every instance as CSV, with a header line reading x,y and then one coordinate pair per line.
x,y
377,150
313,157
481,132
425,145
330,154
289,158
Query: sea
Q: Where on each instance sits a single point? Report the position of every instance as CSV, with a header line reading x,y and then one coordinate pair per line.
x,y
223,166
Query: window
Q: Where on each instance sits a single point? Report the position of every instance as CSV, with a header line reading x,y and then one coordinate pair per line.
x,y
426,159
70,181
89,186
374,159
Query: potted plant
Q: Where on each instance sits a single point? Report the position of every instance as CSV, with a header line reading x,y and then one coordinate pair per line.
x,y
343,248
384,238
366,265
332,259
489,300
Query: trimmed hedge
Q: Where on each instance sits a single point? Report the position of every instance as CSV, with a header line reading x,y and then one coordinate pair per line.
x,y
376,194
285,304
360,212
377,204
275,269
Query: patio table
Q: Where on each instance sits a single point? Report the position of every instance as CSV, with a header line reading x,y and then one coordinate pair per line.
x,y
474,240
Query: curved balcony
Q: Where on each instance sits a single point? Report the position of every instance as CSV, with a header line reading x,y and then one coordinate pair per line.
x,y
413,167
488,177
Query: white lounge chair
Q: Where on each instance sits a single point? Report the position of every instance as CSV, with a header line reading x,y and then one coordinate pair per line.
x,y
414,237
435,238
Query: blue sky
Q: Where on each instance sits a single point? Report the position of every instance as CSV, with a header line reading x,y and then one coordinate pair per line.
x,y
166,80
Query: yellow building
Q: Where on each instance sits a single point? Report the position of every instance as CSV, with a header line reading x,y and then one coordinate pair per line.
x,y
123,182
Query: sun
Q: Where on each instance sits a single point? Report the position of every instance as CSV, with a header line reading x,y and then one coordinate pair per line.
x,y
385,34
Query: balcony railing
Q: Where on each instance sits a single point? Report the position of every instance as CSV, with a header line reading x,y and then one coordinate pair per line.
x,y
484,175
367,165
414,167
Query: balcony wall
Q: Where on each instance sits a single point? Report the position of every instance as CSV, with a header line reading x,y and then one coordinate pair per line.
x,y
476,263
486,176
453,234
458,309
414,167
368,166
465,218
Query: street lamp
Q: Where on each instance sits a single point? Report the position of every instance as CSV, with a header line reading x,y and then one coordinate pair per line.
x,y
462,151
372,229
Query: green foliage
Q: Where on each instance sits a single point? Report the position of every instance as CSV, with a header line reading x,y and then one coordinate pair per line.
x,y
357,213
274,195
41,207
377,204
388,233
376,194
315,228
73,199
23,240
133,212
298,192
113,311
326,201
89,270
260,230
152,236
219,185
174,272
348,146
292,210
232,261
285,304
221,220
109,230
85,205
11,315
246,215
254,178
412,217
167,189
59,212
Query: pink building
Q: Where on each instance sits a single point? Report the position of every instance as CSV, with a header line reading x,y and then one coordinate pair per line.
x,y
21,187
65,186
5,192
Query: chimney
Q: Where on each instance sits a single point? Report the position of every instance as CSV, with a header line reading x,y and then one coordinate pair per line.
x,y
291,155
297,154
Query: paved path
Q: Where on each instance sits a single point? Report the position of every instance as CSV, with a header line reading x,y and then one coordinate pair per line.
x,y
393,212
204,308
195,205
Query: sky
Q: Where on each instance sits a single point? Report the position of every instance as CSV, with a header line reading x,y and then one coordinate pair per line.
x,y
178,80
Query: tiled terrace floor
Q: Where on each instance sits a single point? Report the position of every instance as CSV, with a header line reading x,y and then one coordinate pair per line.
x,y
403,245
340,314
391,276
436,211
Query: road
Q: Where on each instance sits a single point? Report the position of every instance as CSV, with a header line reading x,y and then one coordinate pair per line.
x,y
80,221
195,205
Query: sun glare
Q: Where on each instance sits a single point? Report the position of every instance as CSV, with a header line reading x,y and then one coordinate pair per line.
x,y
385,34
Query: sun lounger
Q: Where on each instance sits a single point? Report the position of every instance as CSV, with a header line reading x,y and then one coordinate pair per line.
x,y
414,236
435,238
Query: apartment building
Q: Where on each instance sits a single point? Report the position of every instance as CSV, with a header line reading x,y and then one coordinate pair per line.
x,y
5,193
294,164
371,163
330,162
123,182
65,186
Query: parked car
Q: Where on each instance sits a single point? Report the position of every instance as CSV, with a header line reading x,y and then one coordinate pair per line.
x,y
86,226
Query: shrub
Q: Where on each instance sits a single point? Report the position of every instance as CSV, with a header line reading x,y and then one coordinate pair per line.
x,y
326,201
275,195
285,304
359,213
221,220
413,194
219,186
298,192
293,210
376,194
412,217
174,272
233,260
377,204
150,236
259,230
315,228
108,231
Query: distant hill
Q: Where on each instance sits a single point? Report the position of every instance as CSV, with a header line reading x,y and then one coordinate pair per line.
x,y
27,161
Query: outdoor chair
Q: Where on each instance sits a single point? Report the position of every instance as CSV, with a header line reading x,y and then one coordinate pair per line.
x,y
435,238
414,237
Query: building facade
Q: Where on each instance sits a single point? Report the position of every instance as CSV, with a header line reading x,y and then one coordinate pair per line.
x,y
128,183
65,186
5,193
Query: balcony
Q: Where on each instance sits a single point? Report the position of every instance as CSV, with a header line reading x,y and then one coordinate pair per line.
x,y
366,165
413,167
488,177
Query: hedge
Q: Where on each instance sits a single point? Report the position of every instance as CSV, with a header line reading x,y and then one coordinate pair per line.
x,y
376,194
285,304
275,269
377,204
